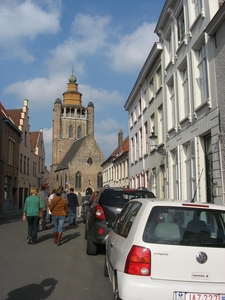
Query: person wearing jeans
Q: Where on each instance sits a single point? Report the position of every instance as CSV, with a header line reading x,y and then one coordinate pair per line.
x,y
59,209
31,214
73,204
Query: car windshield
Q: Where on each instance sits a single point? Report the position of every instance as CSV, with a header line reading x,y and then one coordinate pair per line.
x,y
119,198
185,226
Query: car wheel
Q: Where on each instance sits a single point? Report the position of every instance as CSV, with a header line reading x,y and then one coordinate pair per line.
x,y
91,247
116,290
106,273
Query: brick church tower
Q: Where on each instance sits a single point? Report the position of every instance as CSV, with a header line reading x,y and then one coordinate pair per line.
x,y
76,157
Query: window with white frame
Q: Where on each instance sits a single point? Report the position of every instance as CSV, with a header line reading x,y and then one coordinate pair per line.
x,y
153,181
144,99
168,48
202,89
158,78
161,182
183,91
135,115
136,146
141,142
190,170
175,175
132,151
131,119
146,138
171,104
151,90
160,124
139,107
180,27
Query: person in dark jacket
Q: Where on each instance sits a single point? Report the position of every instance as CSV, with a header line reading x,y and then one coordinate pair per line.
x,y
72,205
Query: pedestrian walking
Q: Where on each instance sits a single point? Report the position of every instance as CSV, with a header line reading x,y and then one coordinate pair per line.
x,y
80,202
51,196
44,198
31,214
72,204
59,209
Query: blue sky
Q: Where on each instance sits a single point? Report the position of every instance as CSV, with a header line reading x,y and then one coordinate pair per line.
x,y
105,42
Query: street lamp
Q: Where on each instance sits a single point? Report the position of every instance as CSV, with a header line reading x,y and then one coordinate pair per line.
x,y
153,137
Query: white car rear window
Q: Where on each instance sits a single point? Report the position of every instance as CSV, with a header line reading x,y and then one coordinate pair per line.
x,y
185,226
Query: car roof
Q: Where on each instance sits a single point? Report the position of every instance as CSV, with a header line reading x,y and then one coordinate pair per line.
x,y
178,202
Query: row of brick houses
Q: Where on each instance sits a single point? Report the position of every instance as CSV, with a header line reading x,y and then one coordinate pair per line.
x,y
22,158
176,108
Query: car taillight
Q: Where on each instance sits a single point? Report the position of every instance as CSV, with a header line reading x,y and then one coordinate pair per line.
x,y
138,261
99,212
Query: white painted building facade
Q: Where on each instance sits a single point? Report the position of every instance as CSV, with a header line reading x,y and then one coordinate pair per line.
x,y
175,97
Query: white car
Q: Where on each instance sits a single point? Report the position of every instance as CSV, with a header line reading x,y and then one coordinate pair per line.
x,y
167,250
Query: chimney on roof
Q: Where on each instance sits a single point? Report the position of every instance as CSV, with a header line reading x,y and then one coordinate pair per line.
x,y
120,141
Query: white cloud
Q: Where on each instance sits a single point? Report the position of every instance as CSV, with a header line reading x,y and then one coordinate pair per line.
x,y
88,37
42,92
24,20
130,53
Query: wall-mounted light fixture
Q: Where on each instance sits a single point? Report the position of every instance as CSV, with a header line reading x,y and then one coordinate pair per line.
x,y
153,137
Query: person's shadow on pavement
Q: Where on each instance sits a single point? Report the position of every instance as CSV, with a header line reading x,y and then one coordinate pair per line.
x,y
34,291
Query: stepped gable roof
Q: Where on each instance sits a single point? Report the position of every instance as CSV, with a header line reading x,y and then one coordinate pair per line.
x,y
70,154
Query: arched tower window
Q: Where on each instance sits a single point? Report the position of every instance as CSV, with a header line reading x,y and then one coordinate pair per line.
x,y
67,112
70,131
72,112
99,180
78,180
79,132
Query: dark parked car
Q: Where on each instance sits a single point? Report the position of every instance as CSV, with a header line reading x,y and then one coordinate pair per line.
x,y
107,205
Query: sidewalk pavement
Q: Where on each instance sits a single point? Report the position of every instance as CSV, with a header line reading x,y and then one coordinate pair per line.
x,y
7,214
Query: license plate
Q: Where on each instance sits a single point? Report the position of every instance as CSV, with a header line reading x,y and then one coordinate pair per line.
x,y
202,297
191,296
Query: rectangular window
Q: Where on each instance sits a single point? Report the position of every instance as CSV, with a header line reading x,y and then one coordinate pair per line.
x,y
21,163
185,92
160,124
197,7
139,107
189,151
28,166
11,152
141,142
185,226
175,174
25,138
172,105
25,164
136,146
203,76
146,138
180,26
151,90
158,79
132,150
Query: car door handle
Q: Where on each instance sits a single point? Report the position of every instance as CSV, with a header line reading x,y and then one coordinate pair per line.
x,y
111,245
